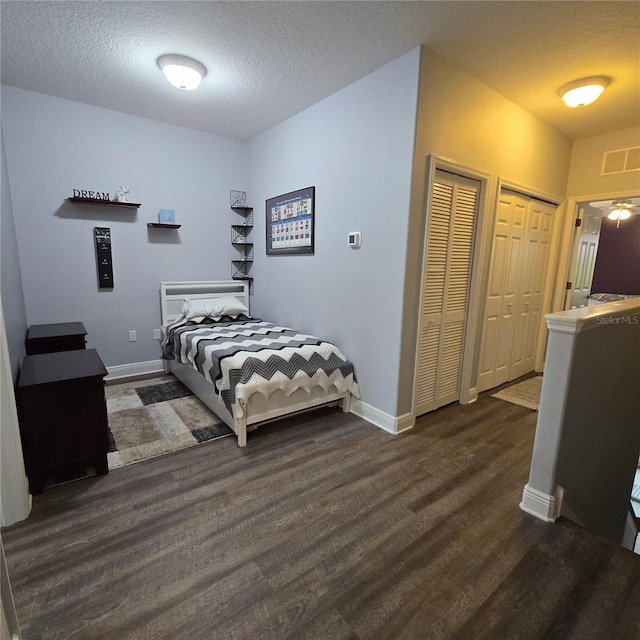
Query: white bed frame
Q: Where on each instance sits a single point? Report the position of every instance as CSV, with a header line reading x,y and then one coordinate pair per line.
x,y
245,416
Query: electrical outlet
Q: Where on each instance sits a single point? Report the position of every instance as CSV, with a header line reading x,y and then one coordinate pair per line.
x,y
132,336
157,334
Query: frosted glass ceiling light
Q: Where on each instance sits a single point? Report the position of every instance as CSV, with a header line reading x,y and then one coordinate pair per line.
x,y
583,92
182,72
621,211
619,214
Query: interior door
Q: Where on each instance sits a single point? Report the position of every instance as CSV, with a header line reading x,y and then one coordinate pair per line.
x,y
517,276
584,261
532,281
445,289
503,290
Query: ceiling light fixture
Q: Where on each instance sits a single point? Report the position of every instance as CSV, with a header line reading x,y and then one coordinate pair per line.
x,y
584,91
621,211
182,72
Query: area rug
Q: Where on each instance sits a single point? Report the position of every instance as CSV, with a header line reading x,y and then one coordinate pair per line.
x,y
152,417
525,393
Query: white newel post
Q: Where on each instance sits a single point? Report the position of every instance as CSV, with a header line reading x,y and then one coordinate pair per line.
x,y
541,496
587,438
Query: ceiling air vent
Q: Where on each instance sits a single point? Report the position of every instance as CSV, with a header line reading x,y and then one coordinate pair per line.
x,y
621,161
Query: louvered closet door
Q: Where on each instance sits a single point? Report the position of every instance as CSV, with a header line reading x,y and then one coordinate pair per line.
x,y
445,290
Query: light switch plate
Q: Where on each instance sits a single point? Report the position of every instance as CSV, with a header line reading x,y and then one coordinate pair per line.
x,y
354,239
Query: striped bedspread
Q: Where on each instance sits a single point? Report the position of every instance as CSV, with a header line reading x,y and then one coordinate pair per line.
x,y
243,357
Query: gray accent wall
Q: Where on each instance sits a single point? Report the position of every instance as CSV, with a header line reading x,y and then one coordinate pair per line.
x,y
54,146
13,307
365,150
356,148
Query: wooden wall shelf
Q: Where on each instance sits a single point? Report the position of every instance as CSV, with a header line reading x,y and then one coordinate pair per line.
x,y
163,225
106,203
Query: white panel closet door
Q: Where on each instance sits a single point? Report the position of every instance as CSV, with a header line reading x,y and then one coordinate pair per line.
x,y
503,290
445,290
534,272
517,276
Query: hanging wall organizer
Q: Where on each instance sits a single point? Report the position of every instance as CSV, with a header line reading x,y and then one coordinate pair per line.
x,y
102,237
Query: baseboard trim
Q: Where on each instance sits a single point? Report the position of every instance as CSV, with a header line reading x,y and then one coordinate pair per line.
x,y
470,396
380,419
541,505
125,371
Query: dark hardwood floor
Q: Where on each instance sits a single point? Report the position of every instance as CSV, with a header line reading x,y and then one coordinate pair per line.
x,y
326,528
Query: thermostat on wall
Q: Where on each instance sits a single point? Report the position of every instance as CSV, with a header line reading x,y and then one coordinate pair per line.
x,y
354,239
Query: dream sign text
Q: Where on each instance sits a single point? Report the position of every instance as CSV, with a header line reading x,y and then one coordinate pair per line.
x,y
93,195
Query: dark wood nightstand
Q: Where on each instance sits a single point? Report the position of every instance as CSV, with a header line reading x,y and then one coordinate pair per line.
x,y
62,414
48,338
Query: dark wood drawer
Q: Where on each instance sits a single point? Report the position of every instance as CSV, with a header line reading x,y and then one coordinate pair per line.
x,y
50,338
62,414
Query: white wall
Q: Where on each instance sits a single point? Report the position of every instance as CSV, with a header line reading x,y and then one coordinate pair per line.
x,y
466,121
586,164
356,147
54,146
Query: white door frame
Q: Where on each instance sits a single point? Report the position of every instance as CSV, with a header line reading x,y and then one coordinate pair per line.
x,y
566,247
15,501
468,389
9,627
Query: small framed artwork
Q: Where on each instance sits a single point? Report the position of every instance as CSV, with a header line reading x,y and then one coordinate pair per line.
x,y
291,222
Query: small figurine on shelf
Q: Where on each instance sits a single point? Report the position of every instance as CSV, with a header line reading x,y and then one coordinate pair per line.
x,y
121,194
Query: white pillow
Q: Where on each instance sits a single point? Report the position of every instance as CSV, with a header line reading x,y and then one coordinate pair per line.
x,y
213,307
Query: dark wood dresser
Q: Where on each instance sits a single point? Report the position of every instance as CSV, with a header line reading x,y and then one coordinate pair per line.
x,y
48,338
62,414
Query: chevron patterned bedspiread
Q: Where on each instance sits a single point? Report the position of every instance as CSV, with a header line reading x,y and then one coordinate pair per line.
x,y
247,371
250,356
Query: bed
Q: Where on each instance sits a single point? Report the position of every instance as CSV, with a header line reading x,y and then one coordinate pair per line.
x,y
246,370
604,298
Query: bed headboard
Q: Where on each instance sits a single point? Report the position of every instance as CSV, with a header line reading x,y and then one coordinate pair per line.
x,y
172,294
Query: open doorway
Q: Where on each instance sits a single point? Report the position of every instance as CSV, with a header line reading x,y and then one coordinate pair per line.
x,y
605,263
605,267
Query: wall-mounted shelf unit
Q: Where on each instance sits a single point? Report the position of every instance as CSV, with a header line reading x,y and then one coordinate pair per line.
x,y
240,241
106,203
163,225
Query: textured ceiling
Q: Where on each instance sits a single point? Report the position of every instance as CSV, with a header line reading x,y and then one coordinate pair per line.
x,y
269,60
